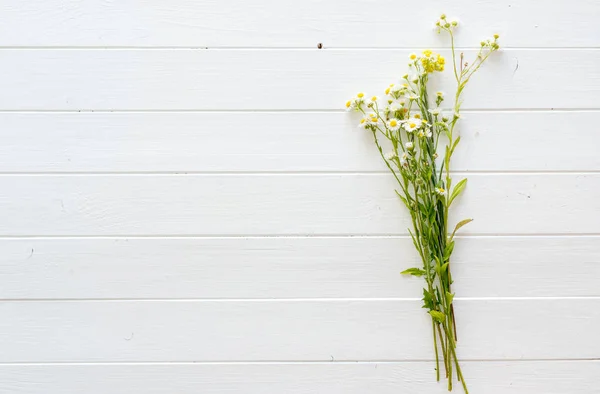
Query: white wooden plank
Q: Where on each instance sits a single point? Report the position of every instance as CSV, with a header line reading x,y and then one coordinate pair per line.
x,y
284,205
522,377
188,141
289,268
273,23
283,79
301,330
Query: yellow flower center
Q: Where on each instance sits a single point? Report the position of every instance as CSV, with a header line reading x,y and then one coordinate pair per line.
x,y
413,56
412,125
374,98
348,104
387,91
360,95
427,52
393,123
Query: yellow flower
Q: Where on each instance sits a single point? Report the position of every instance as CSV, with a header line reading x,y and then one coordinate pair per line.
x,y
413,56
427,52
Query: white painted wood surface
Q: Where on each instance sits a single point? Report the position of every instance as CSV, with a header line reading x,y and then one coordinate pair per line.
x,y
286,330
284,204
186,208
548,377
185,142
289,267
288,23
258,79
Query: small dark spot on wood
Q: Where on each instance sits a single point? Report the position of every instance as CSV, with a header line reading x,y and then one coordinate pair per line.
x,y
332,359
320,45
130,338
30,254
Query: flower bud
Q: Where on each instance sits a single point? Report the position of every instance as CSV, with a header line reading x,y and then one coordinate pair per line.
x,y
454,23
496,36
443,16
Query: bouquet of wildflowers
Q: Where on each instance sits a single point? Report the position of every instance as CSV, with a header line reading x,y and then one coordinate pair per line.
x,y
416,129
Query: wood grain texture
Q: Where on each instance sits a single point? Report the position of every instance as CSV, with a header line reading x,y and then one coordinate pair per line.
x,y
287,268
282,79
272,23
300,330
276,142
322,204
523,377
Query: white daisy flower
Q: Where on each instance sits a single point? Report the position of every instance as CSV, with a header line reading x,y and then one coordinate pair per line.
x,y
412,96
440,190
428,133
435,111
439,94
373,118
390,155
409,145
411,124
395,106
458,116
404,160
398,87
350,105
393,124
364,123
360,98
389,89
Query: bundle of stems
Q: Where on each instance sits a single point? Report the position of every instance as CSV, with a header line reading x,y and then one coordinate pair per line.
x,y
416,130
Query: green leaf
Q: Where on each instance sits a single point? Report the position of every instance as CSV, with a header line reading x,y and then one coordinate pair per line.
x,y
459,225
403,199
448,251
454,145
450,297
457,190
427,300
438,316
413,272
